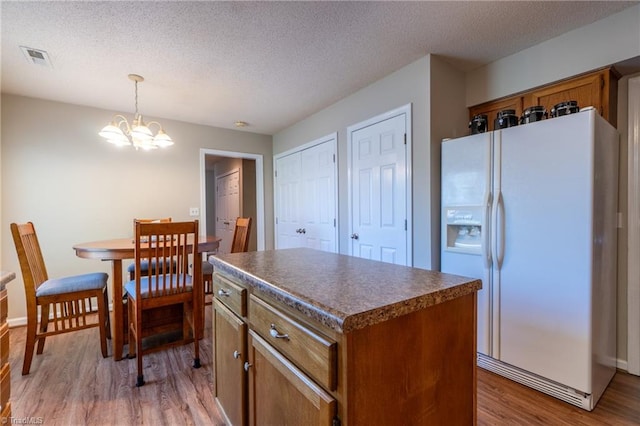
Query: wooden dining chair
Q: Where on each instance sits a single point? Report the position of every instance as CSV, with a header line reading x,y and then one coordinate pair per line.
x,y
144,266
240,243
64,302
241,235
170,285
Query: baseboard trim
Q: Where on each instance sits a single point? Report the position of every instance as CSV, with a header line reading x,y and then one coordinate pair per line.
x,y
22,321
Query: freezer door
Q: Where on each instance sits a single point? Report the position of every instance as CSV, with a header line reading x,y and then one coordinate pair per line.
x,y
466,184
544,221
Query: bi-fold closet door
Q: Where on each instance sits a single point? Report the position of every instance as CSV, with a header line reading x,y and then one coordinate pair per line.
x,y
306,196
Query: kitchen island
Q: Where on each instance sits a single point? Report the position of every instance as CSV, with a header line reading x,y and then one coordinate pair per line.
x,y
5,373
321,338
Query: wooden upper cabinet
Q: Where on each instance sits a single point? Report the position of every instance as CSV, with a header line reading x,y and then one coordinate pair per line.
x,y
598,89
491,109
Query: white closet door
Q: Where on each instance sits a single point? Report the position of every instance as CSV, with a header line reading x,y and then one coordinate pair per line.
x,y
306,197
318,197
288,202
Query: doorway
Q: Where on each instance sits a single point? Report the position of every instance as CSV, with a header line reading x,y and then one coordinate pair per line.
x,y
208,158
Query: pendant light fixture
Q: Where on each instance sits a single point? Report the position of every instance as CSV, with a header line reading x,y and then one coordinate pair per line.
x,y
120,132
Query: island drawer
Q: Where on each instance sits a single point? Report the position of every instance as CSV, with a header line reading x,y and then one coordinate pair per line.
x,y
314,354
233,295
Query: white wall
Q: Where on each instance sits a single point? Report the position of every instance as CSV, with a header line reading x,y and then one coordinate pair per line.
x,y
410,84
58,173
602,43
448,118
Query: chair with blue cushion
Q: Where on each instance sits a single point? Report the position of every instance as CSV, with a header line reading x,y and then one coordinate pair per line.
x,y
171,284
65,303
144,265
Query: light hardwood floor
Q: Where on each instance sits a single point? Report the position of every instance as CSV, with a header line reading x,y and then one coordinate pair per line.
x,y
71,384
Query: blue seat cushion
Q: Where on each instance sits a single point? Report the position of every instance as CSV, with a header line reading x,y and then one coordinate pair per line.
x,y
144,266
92,281
207,268
152,285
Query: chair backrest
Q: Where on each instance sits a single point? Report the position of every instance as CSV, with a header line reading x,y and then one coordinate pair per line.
x,y
241,234
34,271
163,241
160,220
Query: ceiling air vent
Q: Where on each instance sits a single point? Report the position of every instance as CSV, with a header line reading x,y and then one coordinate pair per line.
x,y
36,56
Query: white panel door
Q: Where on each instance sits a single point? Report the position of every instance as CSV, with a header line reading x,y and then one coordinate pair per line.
x,y
227,208
288,201
306,202
318,197
379,191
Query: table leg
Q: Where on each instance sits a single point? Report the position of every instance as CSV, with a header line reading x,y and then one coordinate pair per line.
x,y
116,323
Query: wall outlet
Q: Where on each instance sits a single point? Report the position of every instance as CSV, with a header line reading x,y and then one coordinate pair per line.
x,y
194,211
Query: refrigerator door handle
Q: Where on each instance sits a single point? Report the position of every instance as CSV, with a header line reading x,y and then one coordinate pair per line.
x,y
486,250
500,227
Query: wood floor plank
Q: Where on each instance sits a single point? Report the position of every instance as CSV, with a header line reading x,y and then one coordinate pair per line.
x,y
71,384
504,402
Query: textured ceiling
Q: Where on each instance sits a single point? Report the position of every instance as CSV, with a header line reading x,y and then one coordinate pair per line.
x,y
270,64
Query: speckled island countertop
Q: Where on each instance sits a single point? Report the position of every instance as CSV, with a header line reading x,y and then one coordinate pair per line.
x,y
342,292
6,277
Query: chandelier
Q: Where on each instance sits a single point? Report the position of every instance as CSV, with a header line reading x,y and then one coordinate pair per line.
x,y
120,132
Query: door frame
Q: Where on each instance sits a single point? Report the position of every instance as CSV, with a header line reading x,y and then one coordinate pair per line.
x,y
633,226
258,158
330,138
406,110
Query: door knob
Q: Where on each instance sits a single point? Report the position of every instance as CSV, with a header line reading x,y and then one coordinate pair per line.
x,y
354,236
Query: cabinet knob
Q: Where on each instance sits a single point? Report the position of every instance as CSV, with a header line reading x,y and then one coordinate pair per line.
x,y
304,231
355,236
224,293
236,354
276,334
247,366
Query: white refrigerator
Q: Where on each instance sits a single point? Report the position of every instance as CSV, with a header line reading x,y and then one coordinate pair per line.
x,y
532,211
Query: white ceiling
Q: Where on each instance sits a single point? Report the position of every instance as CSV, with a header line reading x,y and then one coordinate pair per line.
x,y
270,64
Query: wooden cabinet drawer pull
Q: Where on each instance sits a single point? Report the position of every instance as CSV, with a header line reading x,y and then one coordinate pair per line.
x,y
276,334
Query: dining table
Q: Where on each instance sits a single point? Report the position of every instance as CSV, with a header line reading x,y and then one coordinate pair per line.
x,y
117,250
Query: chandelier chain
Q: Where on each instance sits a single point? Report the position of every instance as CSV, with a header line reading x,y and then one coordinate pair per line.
x,y
136,98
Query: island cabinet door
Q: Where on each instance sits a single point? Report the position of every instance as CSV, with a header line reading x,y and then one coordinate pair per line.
x,y
230,356
279,393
